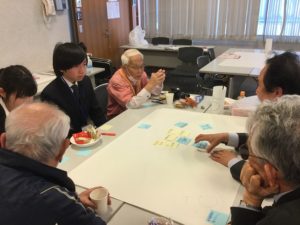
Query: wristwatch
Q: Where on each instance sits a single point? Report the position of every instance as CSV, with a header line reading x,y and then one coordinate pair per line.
x,y
246,205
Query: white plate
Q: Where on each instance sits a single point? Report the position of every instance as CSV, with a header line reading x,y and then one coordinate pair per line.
x,y
92,142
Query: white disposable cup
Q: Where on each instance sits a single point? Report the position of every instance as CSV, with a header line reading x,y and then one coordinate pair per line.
x,y
217,105
99,197
170,97
268,46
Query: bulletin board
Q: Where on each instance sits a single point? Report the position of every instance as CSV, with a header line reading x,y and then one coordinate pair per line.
x,y
155,166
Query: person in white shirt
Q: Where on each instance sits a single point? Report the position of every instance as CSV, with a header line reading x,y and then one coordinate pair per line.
x,y
129,87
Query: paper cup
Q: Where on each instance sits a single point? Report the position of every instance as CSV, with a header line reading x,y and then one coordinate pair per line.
x,y
170,98
99,197
218,98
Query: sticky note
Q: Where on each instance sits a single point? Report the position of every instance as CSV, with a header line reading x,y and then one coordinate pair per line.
x,y
164,143
84,152
217,218
181,124
201,144
144,126
105,127
206,126
65,159
148,104
184,140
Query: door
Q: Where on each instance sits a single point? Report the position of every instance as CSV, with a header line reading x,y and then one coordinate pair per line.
x,y
101,35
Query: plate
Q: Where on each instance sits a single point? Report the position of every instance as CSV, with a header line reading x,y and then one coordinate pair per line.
x,y
92,142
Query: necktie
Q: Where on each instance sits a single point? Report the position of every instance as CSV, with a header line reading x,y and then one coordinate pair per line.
x,y
75,91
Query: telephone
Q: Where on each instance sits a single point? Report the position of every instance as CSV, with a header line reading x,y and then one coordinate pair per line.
x,y
48,8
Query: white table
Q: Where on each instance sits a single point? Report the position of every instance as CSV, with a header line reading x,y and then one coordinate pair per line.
x,y
165,56
44,78
138,172
248,63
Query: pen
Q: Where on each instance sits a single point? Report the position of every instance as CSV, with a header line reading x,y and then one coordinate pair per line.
x,y
157,101
109,133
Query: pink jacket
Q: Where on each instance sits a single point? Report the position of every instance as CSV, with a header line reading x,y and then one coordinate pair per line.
x,y
120,92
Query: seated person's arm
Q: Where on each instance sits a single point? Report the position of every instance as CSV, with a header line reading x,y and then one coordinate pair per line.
x,y
155,84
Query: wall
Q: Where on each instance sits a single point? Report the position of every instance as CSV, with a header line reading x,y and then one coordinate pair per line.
x,y
25,38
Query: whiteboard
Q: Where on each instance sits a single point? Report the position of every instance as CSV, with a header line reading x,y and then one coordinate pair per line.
x,y
247,59
178,182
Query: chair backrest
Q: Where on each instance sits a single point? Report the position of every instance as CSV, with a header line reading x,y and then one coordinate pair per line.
x,y
202,61
102,96
189,54
182,42
210,53
160,40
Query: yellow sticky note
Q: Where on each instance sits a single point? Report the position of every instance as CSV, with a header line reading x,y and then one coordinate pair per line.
x,y
106,127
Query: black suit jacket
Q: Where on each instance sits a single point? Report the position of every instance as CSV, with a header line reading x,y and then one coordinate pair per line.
x,y
236,169
285,211
59,93
2,120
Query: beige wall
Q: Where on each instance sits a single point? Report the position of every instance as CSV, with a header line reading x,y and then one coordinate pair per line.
x,y
25,38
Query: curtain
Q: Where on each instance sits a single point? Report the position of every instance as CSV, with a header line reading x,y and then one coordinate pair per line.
x,y
200,19
280,20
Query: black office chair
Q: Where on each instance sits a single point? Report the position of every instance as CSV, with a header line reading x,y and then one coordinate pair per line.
x,y
102,96
206,82
182,42
103,77
184,75
160,40
210,53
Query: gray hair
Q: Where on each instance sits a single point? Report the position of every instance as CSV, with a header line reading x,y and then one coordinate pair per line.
x,y
275,135
36,130
125,58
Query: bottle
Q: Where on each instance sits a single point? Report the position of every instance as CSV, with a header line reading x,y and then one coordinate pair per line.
x,y
242,95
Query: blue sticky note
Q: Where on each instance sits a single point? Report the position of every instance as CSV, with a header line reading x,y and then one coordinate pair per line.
x,y
206,126
217,218
148,104
84,152
184,140
65,159
144,126
201,144
181,124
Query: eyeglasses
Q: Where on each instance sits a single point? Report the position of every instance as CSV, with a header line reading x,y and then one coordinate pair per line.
x,y
136,67
244,152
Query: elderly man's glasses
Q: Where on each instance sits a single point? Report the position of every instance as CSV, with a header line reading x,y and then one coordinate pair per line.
x,y
136,67
244,152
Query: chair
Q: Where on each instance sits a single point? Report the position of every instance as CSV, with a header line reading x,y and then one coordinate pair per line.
x,y
202,83
102,96
104,76
184,75
182,42
210,53
206,82
160,40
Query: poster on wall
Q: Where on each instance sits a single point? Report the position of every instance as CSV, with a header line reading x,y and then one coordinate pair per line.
x,y
78,3
113,9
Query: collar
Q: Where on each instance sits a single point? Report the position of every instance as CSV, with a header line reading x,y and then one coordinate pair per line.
x,y
69,83
4,107
287,196
24,164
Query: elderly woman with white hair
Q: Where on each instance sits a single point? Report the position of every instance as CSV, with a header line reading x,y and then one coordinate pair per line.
x,y
129,87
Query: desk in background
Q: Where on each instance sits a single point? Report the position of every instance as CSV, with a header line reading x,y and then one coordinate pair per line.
x,y
164,56
44,78
238,64
109,167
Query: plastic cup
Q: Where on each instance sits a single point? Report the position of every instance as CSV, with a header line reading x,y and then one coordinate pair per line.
x,y
99,197
170,98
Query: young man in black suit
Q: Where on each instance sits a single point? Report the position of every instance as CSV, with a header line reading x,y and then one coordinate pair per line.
x,y
280,76
72,90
